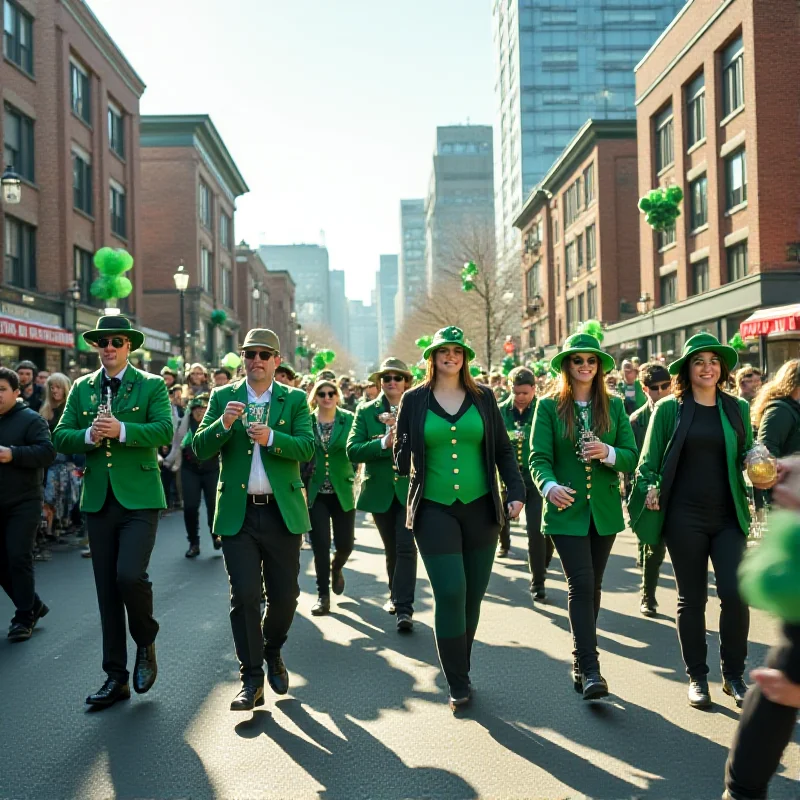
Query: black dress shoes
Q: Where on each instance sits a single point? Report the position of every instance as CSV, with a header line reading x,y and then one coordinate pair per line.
x,y
538,594
322,606
108,694
217,540
735,688
40,612
337,580
502,552
277,675
193,551
405,622
250,696
699,694
648,607
19,632
594,686
146,669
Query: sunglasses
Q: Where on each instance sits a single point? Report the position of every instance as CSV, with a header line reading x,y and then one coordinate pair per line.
x,y
392,378
579,362
261,355
660,387
116,341
326,394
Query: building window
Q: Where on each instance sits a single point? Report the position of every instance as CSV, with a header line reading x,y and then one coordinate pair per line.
x,y
698,200
591,248
17,36
591,302
84,273
572,321
581,307
557,271
588,185
80,98
20,254
226,287
532,282
666,238
732,77
669,289
696,110
555,229
737,261
116,130
665,146
204,204
225,231
572,262
18,142
205,270
117,206
700,277
82,182
211,332
735,179
579,251
573,198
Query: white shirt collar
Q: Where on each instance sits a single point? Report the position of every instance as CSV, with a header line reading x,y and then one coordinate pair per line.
x,y
119,375
262,398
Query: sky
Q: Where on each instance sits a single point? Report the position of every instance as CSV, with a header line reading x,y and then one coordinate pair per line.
x,y
328,107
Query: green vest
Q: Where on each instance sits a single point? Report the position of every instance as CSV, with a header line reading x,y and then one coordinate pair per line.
x,y
454,468
520,435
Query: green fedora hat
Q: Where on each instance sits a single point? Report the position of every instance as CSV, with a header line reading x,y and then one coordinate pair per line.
x,y
115,326
262,337
704,342
449,335
391,365
582,343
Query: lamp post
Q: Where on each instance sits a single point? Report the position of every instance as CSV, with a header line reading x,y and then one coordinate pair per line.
x,y
74,294
181,278
256,295
12,187
645,305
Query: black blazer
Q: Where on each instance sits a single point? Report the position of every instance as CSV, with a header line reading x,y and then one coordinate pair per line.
x,y
409,449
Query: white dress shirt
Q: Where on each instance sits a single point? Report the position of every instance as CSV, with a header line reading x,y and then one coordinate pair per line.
x,y
88,437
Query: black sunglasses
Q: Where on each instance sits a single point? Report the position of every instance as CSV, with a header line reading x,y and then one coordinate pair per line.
x,y
262,355
661,387
392,378
116,341
578,361
326,394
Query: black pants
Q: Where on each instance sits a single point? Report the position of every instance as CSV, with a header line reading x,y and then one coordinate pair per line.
x,y
401,555
264,552
196,483
765,728
540,547
326,512
690,547
169,481
652,557
584,559
18,526
122,540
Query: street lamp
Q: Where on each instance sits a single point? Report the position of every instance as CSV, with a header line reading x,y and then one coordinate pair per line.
x,y
12,187
181,278
74,294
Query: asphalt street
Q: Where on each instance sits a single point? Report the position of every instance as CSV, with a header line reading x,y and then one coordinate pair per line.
x,y
366,716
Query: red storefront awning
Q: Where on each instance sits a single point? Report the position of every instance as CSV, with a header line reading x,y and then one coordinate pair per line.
x,y
24,331
779,319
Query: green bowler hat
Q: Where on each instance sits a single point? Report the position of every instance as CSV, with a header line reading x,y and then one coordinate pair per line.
x,y
450,335
582,343
115,326
705,342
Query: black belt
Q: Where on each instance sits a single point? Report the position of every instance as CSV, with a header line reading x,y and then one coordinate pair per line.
x,y
259,499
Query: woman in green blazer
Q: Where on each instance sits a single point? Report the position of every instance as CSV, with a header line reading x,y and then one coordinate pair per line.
x,y
330,493
689,486
580,442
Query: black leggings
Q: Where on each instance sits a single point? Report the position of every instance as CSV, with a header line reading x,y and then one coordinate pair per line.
x,y
584,559
540,547
197,483
401,555
765,728
325,512
691,544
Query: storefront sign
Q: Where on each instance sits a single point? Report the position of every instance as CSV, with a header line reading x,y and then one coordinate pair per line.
x,y
30,314
156,340
23,331
780,319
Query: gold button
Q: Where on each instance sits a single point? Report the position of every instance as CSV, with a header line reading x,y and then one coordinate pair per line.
x,y
110,465
588,468
588,485
455,472
456,487
452,427
455,455
394,468
249,452
108,454
243,486
396,479
85,413
588,497
453,441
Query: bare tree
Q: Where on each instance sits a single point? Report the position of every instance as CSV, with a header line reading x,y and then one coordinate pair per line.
x,y
321,337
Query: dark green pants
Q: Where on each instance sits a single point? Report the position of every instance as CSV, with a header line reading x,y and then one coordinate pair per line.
x,y
652,559
457,544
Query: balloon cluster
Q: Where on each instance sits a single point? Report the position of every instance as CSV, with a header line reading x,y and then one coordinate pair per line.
x,y
112,283
737,343
540,368
468,275
218,317
424,341
321,360
508,365
593,328
175,362
232,361
475,370
661,207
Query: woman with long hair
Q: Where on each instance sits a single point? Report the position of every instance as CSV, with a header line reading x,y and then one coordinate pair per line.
x,y
775,411
331,503
197,381
451,440
580,442
689,488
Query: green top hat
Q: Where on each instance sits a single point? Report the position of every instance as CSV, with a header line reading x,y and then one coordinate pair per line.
x,y
449,335
582,343
704,342
391,365
115,326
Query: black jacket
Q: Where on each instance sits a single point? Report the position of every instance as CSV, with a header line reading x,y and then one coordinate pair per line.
x,y
28,436
780,427
409,449
36,400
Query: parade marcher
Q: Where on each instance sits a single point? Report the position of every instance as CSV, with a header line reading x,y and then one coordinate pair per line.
x,y
451,440
690,489
198,478
384,493
197,381
371,391
222,376
748,382
262,431
630,388
25,452
285,374
176,403
170,377
657,383
41,377
349,399
581,440
121,495
517,413
612,380
775,412
29,391
330,493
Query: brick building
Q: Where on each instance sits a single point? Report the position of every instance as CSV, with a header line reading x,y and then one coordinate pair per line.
x,y
718,115
579,256
282,314
188,198
70,129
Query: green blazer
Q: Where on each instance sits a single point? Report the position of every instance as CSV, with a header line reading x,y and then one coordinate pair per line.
x,y
342,474
553,458
142,404
293,442
640,419
641,396
522,447
659,442
380,482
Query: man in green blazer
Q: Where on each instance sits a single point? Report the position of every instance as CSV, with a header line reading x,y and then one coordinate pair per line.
x,y
119,416
262,431
383,492
630,388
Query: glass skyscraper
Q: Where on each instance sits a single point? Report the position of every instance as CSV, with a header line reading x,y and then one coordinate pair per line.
x,y
559,63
